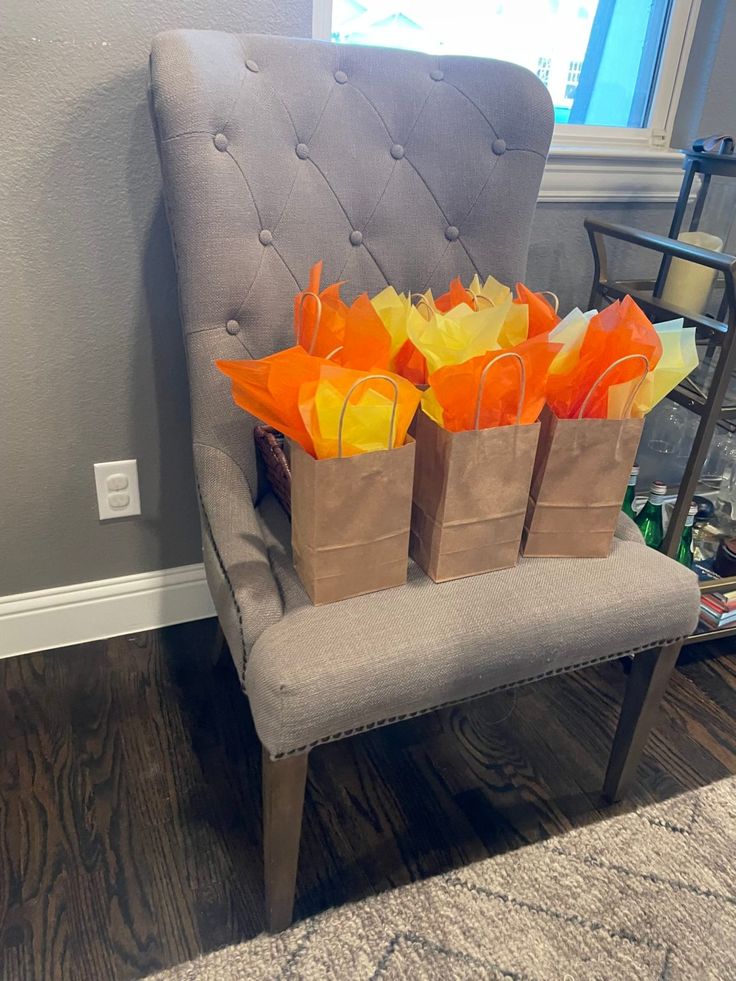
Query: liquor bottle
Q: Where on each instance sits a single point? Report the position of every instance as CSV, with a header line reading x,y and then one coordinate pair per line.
x,y
649,519
685,548
628,506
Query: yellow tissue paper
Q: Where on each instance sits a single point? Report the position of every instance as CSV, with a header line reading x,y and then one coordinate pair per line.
x,y
570,332
364,431
679,358
493,292
514,328
432,407
367,418
462,334
396,312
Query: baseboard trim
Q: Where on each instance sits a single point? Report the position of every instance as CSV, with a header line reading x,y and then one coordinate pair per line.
x,y
66,615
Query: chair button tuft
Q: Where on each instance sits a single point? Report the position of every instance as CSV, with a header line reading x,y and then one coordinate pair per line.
x,y
232,326
436,74
356,237
452,234
220,141
252,66
397,151
302,151
265,237
499,147
340,77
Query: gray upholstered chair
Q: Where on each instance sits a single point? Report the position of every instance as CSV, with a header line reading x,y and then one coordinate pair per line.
x,y
393,167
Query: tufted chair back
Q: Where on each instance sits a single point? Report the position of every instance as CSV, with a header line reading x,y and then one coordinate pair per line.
x,y
391,166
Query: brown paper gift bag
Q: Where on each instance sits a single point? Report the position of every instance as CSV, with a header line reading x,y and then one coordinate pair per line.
x,y
350,517
580,475
470,493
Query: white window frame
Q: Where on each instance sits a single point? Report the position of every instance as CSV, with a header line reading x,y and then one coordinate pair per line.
x,y
610,163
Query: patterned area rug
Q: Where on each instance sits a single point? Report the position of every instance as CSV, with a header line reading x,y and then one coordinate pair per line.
x,y
649,895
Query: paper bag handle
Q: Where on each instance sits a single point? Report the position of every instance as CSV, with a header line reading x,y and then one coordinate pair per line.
x,y
479,296
300,319
343,410
522,384
422,299
555,297
486,299
599,379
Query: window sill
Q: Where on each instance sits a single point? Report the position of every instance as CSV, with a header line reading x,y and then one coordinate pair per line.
x,y
610,173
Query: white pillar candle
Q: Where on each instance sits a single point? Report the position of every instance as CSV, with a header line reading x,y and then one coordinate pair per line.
x,y
688,284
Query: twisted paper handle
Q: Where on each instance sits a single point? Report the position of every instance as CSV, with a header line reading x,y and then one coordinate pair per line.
x,y
343,410
422,299
555,297
599,379
522,384
300,319
477,297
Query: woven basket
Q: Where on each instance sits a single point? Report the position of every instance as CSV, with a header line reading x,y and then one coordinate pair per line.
x,y
269,443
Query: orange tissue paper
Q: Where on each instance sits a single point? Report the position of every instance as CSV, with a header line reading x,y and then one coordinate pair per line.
x,y
620,333
319,316
453,397
303,397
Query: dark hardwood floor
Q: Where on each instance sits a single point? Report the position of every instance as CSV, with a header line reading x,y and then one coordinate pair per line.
x,y
130,801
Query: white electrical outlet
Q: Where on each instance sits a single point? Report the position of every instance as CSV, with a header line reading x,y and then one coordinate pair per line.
x,y
117,489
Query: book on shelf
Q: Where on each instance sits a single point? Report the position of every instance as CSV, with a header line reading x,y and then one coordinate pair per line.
x,y
723,600
715,622
718,609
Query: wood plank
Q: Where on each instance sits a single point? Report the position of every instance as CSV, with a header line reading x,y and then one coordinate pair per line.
x,y
130,795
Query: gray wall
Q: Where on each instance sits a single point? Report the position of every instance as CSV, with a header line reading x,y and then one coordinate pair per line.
x,y
718,114
708,100
560,257
92,364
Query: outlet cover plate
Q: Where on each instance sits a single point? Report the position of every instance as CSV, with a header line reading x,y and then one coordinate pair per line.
x,y
118,495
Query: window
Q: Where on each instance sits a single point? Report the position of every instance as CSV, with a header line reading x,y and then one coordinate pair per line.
x,y
573,77
614,69
543,67
603,61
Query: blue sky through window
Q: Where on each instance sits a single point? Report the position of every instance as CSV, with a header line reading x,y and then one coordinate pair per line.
x,y
598,58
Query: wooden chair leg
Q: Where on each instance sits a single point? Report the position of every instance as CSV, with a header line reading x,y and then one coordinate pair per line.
x,y
647,682
283,800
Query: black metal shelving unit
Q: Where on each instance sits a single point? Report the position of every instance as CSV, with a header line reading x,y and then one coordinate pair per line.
x,y
717,334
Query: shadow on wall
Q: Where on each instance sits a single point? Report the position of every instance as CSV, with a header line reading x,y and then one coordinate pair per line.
x,y
174,483
133,369
160,351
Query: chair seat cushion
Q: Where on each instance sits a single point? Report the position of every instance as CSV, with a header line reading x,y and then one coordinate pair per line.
x,y
321,673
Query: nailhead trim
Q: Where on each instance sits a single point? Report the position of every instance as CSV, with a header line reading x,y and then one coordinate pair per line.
x,y
469,698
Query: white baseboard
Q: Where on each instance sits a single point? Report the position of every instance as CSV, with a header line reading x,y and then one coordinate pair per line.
x,y
87,611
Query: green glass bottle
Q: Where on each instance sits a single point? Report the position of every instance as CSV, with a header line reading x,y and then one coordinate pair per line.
x,y
628,506
649,519
685,548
